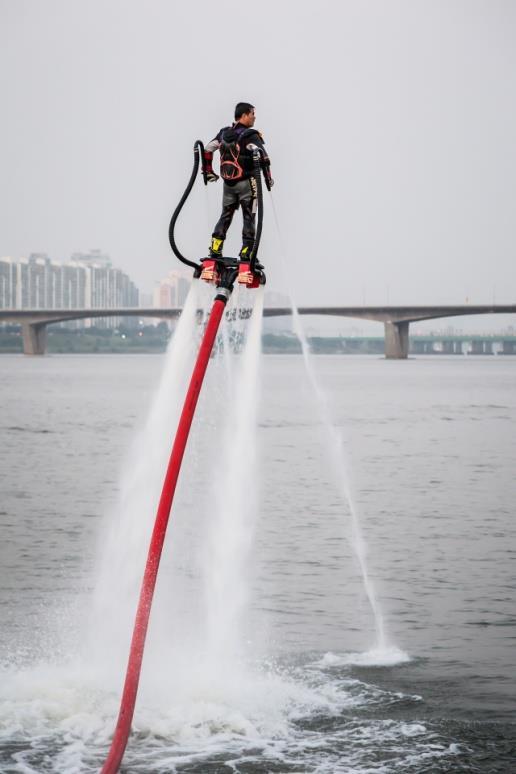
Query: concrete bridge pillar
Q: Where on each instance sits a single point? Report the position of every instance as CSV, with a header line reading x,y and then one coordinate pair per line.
x,y
396,340
34,336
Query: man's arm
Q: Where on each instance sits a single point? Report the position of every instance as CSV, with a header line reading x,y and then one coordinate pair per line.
x,y
207,160
213,145
258,140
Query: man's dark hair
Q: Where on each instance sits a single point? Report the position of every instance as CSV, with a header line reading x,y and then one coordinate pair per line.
x,y
242,109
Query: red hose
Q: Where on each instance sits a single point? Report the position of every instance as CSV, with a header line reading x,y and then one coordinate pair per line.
x,y
132,677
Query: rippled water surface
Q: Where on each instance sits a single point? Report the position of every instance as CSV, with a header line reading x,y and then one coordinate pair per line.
x,y
432,463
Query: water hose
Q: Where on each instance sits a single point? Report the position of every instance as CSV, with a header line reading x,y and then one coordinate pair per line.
x,y
198,154
257,161
132,678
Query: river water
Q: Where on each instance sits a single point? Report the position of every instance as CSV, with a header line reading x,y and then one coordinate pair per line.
x,y
431,444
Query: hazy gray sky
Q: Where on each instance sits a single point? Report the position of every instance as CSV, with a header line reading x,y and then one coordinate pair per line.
x,y
391,126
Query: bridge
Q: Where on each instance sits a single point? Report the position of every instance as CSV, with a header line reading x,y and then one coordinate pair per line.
x,y
396,319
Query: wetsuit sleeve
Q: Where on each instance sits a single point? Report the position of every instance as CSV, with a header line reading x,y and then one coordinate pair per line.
x,y
209,150
266,162
258,140
213,145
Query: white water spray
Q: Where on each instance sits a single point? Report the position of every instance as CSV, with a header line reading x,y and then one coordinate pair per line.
x,y
125,544
228,412
340,465
338,458
234,508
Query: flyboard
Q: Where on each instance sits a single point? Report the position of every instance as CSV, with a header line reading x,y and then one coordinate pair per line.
x,y
222,273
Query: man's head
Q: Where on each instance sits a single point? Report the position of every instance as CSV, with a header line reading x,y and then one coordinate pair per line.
x,y
244,114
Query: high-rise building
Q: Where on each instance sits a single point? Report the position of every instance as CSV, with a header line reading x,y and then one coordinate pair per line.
x,y
93,257
8,283
74,281
87,281
105,286
173,290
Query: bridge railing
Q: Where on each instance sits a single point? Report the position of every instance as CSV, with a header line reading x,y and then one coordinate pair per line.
x,y
396,319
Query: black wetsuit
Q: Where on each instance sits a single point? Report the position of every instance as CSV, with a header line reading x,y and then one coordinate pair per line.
x,y
241,192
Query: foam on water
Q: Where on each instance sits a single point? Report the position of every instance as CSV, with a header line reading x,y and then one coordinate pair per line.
x,y
292,715
381,657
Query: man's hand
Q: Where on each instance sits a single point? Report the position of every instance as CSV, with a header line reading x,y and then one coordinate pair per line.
x,y
211,177
271,182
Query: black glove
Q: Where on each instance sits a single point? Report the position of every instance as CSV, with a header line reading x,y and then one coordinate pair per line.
x,y
269,182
